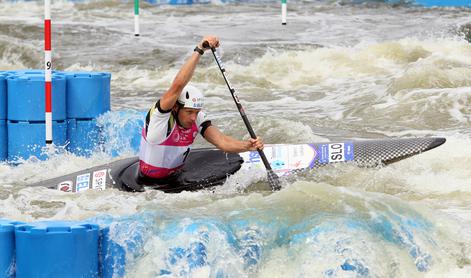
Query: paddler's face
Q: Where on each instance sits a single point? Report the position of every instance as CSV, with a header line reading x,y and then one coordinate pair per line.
x,y
187,116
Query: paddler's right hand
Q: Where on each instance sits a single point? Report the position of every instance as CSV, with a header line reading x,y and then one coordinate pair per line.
x,y
209,42
255,144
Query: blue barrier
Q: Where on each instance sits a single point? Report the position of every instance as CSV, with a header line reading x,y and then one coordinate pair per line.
x,y
3,140
107,90
444,3
3,116
26,71
7,250
84,136
180,2
86,96
26,97
3,96
78,97
68,248
26,139
31,72
5,73
57,249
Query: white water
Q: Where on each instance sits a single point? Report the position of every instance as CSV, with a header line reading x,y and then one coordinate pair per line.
x,y
335,71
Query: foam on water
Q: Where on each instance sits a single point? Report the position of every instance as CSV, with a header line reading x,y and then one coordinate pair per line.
x,y
373,82
332,231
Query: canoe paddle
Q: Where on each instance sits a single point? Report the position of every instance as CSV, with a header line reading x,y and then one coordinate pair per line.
x,y
273,180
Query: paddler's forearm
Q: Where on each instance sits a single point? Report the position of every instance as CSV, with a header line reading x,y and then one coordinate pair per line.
x,y
226,143
231,145
186,72
168,100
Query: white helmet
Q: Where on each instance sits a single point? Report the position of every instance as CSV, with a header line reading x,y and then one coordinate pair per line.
x,y
191,97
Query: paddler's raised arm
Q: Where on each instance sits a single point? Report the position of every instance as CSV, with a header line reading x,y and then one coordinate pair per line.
x,y
168,100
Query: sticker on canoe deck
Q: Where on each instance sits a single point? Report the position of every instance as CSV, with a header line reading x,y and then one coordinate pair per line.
x,y
282,158
99,180
336,152
65,186
83,182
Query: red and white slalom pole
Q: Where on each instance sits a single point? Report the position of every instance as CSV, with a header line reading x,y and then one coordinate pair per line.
x,y
48,69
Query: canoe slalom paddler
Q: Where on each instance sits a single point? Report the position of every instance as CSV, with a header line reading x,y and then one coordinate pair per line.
x,y
174,121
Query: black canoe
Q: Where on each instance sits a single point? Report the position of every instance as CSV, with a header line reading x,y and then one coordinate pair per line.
x,y
209,167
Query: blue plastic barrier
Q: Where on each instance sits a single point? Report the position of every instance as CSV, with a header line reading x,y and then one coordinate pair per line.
x,y
86,96
78,97
26,71
7,248
3,116
31,72
107,90
3,140
26,97
57,249
444,3
180,2
84,136
3,96
27,138
5,72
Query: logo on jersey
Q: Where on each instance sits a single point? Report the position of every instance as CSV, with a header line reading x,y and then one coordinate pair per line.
x,y
176,137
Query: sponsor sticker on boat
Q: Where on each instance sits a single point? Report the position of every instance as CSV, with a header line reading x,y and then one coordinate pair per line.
x,y
65,186
82,182
302,156
283,158
254,157
336,152
99,180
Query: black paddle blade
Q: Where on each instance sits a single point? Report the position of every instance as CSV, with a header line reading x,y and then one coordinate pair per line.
x,y
273,180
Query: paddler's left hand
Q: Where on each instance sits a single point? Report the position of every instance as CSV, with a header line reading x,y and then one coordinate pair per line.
x,y
209,42
255,144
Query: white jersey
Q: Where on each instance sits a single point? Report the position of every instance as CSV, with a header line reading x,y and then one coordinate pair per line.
x,y
158,124
164,144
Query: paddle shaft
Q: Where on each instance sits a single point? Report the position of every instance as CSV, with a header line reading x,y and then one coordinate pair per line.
x,y
272,177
